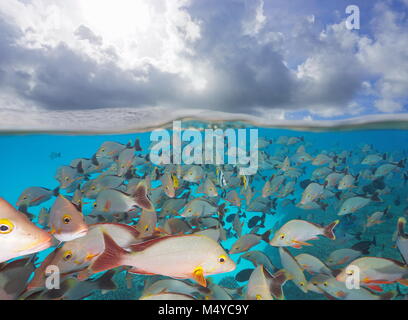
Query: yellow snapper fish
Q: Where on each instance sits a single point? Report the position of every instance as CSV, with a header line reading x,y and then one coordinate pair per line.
x,y
69,177
194,174
168,184
92,187
180,257
402,239
77,255
353,204
34,196
200,207
258,258
376,218
312,192
147,223
387,168
247,241
125,161
375,270
312,264
110,149
171,207
66,222
18,235
14,277
347,182
373,159
174,286
334,289
167,296
295,233
176,226
208,188
342,256
262,285
114,201
293,269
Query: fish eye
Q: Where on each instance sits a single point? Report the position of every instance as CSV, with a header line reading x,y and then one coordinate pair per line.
x,y
6,226
301,284
66,219
315,283
189,210
25,198
67,255
93,188
258,297
282,236
222,259
66,178
103,150
350,272
330,260
94,205
325,284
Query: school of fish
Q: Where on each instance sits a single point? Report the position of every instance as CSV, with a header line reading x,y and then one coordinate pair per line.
x,y
117,218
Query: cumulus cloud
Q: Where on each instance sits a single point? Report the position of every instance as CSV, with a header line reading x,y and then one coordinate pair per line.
x,y
236,56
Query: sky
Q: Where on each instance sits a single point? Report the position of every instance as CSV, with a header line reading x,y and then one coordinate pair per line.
x,y
273,59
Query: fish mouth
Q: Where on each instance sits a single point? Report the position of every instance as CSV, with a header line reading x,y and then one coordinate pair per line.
x,y
81,233
232,267
71,235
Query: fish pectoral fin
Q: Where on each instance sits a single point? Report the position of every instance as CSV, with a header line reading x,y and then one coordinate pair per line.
x,y
380,281
375,288
404,282
198,275
301,243
140,271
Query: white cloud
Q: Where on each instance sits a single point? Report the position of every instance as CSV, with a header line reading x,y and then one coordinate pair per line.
x,y
237,56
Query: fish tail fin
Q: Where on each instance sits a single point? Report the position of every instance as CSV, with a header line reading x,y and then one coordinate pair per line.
x,y
79,167
240,290
111,258
137,145
388,295
329,230
400,226
265,236
279,279
95,161
56,191
106,282
375,197
139,195
23,208
221,210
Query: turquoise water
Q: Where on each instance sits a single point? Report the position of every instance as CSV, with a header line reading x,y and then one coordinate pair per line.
x,y
27,161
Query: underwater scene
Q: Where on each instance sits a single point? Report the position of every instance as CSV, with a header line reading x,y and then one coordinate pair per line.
x,y
91,216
